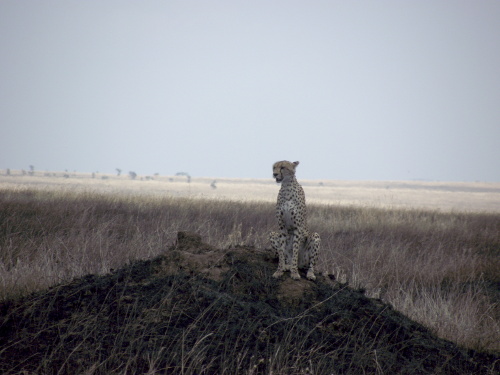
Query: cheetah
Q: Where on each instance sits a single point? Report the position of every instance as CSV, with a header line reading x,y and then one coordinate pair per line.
x,y
294,245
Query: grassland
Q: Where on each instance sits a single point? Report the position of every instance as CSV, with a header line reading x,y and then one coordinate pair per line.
x,y
438,265
442,196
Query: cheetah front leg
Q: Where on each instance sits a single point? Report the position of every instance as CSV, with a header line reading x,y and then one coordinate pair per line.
x,y
278,243
298,239
313,246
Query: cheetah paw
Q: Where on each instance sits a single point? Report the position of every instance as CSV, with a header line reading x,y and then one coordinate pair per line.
x,y
295,275
278,274
310,275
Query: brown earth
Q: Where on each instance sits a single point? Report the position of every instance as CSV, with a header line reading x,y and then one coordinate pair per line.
x,y
201,310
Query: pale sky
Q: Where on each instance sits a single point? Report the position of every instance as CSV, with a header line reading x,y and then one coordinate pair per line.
x,y
354,90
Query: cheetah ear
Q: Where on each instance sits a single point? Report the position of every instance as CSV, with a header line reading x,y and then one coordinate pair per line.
x,y
295,163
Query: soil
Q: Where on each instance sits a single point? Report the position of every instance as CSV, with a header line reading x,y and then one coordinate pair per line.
x,y
201,310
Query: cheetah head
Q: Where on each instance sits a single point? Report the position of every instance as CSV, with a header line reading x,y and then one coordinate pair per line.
x,y
282,169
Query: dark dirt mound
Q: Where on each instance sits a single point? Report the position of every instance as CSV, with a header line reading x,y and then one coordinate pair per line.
x,y
199,310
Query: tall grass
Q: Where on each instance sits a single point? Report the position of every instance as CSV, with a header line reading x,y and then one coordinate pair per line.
x,y
441,269
48,237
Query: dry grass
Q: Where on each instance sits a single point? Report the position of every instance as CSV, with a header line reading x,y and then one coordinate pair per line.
x,y
49,237
443,196
439,268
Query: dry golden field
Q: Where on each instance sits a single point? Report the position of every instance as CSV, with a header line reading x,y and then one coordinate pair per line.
x,y
442,196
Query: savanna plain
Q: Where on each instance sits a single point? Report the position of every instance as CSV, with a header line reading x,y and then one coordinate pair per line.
x,y
430,250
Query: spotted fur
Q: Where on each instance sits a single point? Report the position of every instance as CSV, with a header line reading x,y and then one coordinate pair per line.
x,y
294,245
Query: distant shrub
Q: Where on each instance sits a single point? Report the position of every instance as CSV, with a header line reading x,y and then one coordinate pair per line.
x,y
188,177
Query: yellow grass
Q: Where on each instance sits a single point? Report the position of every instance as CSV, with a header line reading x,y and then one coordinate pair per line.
x,y
443,196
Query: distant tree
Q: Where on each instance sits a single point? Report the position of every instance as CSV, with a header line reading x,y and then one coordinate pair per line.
x,y
188,177
32,170
8,171
132,175
212,185
118,171
93,174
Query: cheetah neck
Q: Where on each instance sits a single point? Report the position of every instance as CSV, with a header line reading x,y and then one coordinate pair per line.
x,y
287,187
288,181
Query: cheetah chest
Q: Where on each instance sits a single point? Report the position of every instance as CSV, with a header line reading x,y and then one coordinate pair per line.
x,y
290,214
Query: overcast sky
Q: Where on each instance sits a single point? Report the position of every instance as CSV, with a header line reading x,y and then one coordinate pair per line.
x,y
354,90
